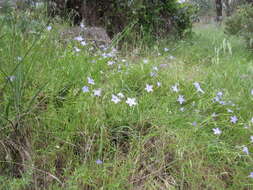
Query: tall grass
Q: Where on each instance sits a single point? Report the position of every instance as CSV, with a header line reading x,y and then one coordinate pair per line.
x,y
70,139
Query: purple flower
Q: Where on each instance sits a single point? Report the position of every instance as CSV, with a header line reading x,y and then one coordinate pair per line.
x,y
115,99
197,86
49,28
149,88
153,74
110,63
175,88
90,81
181,99
79,38
219,94
251,175
217,131
99,162
85,89
194,124
233,119
245,150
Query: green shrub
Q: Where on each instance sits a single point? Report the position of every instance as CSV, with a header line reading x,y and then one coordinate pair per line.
x,y
151,18
241,24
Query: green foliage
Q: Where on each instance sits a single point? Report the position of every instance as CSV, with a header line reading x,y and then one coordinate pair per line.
x,y
241,24
156,144
205,7
154,19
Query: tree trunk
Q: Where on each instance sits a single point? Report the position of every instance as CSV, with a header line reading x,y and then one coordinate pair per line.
x,y
218,10
228,9
250,1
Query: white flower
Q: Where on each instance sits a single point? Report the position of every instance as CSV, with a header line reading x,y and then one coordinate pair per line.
x,y
181,99
233,119
120,95
19,58
97,92
245,150
229,110
11,78
175,88
82,25
197,86
90,81
155,68
217,131
131,102
251,139
85,89
145,61
153,74
110,63
166,49
158,84
214,115
252,92
76,49
83,43
171,57
79,38
149,88
49,28
182,109
115,99
181,1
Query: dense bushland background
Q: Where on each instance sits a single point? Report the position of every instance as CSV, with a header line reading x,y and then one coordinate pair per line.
x,y
155,19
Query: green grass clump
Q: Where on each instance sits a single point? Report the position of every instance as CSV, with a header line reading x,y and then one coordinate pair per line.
x,y
55,136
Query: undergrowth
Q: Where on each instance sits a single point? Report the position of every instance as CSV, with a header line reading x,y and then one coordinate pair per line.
x,y
174,116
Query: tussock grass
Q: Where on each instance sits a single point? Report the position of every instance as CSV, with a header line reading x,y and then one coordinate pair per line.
x,y
55,136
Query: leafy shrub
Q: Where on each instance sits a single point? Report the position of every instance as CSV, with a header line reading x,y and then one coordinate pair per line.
x,y
205,7
152,18
241,24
